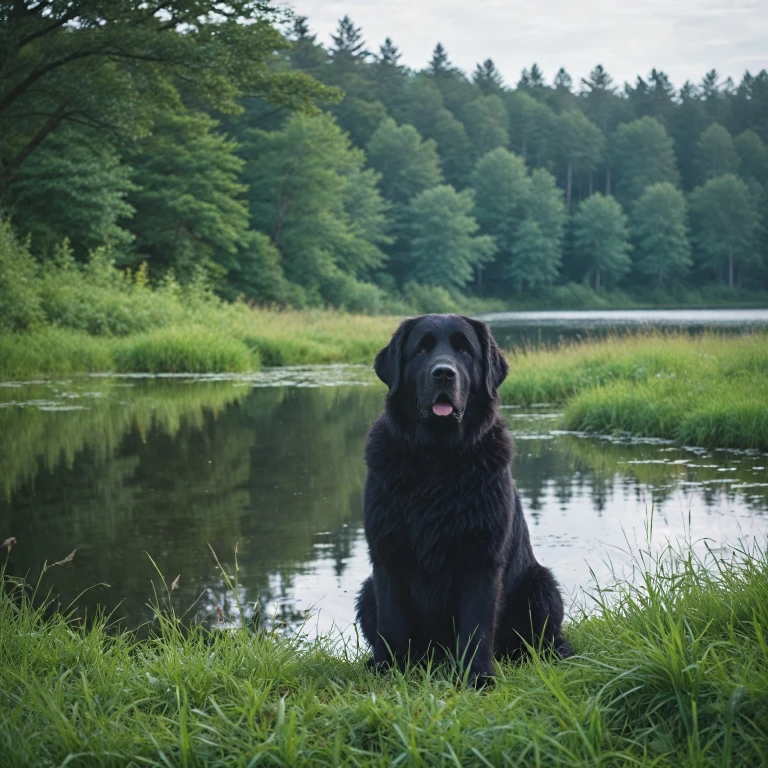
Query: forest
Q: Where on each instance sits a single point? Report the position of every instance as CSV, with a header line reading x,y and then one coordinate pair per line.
x,y
222,141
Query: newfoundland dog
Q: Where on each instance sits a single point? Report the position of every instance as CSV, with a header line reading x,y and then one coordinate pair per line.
x,y
453,567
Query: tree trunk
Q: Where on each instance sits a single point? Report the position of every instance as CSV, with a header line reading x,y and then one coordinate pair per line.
x,y
608,180
568,186
730,272
597,279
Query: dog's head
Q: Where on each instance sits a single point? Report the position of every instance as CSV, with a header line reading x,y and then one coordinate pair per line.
x,y
443,373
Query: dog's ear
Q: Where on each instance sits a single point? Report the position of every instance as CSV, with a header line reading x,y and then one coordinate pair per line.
x,y
388,362
494,364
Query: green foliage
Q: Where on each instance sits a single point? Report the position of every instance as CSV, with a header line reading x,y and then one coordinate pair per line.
x,y
76,190
109,67
445,248
169,134
525,217
536,254
706,390
501,185
486,122
726,226
429,298
581,145
672,668
753,157
601,237
407,164
189,210
659,227
532,129
20,307
309,191
426,111
192,349
715,153
643,154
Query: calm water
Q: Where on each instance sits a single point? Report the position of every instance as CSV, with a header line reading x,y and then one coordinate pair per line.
x,y
534,328
120,468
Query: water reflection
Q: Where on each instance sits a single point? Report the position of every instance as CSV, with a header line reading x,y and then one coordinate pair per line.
x,y
121,467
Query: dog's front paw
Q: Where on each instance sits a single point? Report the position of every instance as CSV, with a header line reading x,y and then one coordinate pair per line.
x,y
378,667
480,676
562,647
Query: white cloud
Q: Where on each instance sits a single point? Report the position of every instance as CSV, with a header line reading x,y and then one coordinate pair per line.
x,y
684,38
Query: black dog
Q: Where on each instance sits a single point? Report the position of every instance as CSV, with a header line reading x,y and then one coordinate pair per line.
x,y
453,567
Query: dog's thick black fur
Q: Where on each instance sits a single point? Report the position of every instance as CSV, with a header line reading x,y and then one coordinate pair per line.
x,y
453,567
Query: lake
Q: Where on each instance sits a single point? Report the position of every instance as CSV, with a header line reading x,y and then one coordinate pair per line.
x,y
536,328
124,468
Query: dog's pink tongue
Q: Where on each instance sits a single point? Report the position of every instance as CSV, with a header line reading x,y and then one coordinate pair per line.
x,y
442,409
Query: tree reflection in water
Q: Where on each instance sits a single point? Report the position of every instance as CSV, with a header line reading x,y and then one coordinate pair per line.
x,y
167,467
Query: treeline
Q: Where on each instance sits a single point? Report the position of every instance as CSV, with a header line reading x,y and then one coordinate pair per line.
x,y
299,174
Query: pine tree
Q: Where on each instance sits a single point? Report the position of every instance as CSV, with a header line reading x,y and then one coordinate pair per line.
x,y
487,78
601,239
605,108
688,123
348,41
562,97
563,81
306,55
439,64
532,80
389,54
391,80
658,223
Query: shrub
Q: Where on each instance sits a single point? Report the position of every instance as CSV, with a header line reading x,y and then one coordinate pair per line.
x,y
184,350
20,307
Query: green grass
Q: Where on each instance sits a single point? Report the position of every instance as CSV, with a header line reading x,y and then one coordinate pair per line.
x,y
709,390
219,338
672,670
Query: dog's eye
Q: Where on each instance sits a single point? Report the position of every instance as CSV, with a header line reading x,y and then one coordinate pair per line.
x,y
464,351
423,351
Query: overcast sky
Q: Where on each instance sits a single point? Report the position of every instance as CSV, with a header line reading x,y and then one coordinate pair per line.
x,y
685,38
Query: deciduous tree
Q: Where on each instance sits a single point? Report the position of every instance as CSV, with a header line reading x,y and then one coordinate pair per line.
x,y
659,227
602,239
726,226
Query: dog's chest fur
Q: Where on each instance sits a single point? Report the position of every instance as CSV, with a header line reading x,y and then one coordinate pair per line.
x,y
430,512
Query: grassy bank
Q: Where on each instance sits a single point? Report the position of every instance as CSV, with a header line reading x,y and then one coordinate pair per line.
x,y
673,671
226,338
709,390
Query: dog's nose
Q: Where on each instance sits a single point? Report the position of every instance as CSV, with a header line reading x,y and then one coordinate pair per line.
x,y
443,373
